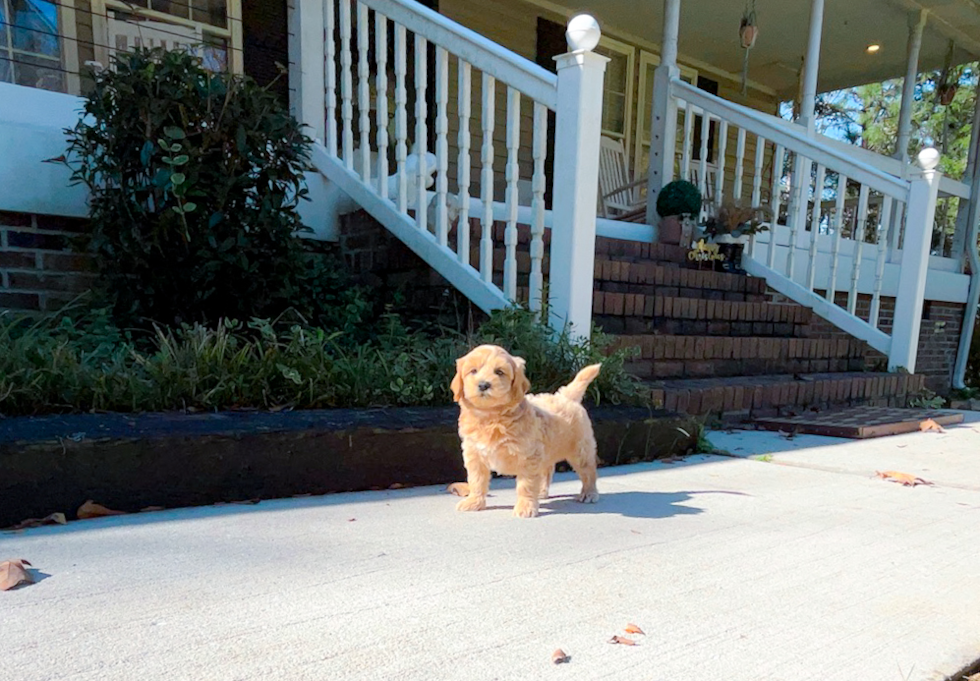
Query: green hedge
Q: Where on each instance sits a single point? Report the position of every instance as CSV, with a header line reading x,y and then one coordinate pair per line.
x,y
86,363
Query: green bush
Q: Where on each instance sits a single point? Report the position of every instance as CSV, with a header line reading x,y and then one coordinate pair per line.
x,y
679,197
194,180
85,363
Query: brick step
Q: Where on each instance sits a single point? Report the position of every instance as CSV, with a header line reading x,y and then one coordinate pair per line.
x,y
744,397
630,313
651,278
701,357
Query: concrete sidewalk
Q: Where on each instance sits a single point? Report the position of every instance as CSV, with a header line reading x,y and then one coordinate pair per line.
x,y
736,569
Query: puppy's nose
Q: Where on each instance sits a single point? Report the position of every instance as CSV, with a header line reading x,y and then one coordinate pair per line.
x,y
483,386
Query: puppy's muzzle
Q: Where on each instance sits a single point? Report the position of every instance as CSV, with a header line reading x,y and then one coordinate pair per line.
x,y
483,386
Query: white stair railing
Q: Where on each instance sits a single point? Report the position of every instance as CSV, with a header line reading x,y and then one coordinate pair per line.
x,y
836,221
440,78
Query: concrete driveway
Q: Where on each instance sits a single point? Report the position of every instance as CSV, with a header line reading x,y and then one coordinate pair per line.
x,y
800,567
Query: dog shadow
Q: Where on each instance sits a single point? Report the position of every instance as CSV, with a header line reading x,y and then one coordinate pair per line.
x,y
632,504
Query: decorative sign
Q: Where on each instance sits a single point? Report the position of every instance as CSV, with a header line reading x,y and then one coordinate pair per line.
x,y
705,252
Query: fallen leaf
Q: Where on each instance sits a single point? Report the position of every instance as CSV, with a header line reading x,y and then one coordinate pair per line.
x,y
150,509
906,479
13,573
350,520
460,489
930,425
559,657
90,509
787,436
53,519
396,485
633,629
622,640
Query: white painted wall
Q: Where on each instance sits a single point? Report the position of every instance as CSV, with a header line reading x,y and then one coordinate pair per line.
x,y
32,122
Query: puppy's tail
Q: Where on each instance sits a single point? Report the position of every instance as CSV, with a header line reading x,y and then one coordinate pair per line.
x,y
575,390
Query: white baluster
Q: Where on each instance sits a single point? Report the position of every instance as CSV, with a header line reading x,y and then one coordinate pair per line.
x,y
381,57
815,226
720,173
838,230
739,165
401,118
797,210
421,148
463,161
760,150
442,146
687,143
346,85
330,75
858,236
364,91
486,180
539,152
885,221
777,184
512,173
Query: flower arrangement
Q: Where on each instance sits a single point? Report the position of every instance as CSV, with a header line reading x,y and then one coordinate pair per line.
x,y
735,221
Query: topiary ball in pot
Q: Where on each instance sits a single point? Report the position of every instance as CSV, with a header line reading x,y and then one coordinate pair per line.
x,y
679,197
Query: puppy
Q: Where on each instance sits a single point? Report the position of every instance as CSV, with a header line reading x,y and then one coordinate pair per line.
x,y
505,430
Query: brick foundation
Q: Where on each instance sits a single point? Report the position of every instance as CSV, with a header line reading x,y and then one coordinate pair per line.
x,y
38,270
939,336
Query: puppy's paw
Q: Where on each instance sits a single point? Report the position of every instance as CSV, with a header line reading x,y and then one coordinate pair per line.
x,y
472,503
588,497
525,508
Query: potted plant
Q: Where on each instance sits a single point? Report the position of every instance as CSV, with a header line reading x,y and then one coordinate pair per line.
x,y
731,226
677,205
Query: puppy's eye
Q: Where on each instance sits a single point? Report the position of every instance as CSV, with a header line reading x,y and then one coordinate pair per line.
x,y
499,372
472,372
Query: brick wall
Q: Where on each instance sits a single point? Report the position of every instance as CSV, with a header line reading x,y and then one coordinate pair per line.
x,y
378,259
38,271
939,336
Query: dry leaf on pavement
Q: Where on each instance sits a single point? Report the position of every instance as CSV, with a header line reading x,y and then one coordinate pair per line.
x,y
53,519
559,657
622,640
460,489
90,509
906,479
930,425
633,629
13,573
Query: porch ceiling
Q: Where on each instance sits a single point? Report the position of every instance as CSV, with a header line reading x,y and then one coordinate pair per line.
x,y
709,32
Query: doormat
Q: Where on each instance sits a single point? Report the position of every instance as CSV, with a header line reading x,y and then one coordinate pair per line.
x,y
859,422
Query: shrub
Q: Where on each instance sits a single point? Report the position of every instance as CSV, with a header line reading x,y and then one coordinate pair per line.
x,y
194,180
86,363
679,197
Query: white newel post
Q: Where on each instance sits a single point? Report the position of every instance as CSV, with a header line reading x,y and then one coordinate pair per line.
x,y
663,115
578,126
921,213
306,86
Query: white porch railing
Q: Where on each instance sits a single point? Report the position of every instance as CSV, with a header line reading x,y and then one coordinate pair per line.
x,y
420,181
830,211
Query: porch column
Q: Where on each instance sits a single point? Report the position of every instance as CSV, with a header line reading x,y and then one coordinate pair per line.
x,y
663,123
908,86
920,217
965,241
306,45
578,127
811,65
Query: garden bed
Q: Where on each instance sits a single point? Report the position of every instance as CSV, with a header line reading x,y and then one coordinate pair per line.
x,y
129,462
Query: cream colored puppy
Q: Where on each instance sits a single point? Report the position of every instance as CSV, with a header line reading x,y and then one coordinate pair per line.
x,y
505,430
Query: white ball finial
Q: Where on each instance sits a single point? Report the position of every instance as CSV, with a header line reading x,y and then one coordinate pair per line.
x,y
928,158
582,33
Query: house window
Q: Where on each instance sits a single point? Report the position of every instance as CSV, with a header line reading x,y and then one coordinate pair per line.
x,y
30,46
210,28
617,95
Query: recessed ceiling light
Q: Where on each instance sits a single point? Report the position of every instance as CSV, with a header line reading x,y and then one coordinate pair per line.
x,y
872,48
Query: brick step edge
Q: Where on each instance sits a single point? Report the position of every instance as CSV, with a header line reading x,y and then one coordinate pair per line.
x,y
745,397
670,347
658,274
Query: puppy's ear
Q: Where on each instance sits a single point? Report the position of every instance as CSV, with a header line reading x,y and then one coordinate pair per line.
x,y
457,385
521,384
